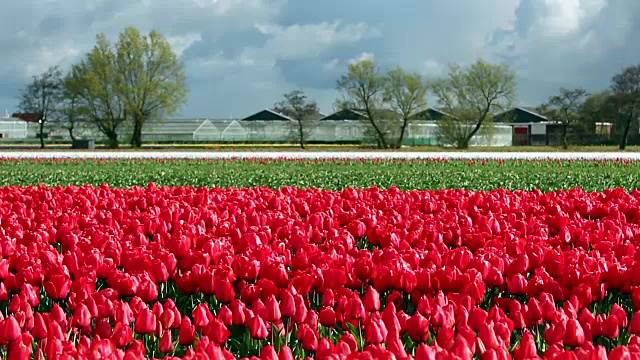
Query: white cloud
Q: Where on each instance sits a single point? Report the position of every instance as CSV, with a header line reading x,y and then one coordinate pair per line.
x,y
433,68
305,41
331,64
565,17
363,56
568,43
46,57
180,43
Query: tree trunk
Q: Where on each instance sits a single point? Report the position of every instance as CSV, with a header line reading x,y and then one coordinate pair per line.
x,y
463,143
41,134
301,134
136,137
565,142
625,134
112,139
405,123
382,142
475,129
70,129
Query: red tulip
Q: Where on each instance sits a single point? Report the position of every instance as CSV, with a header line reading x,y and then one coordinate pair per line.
x,y
301,310
517,285
445,337
477,318
272,309
375,331
217,332
148,291
10,329
121,335
286,353
225,315
356,309
201,315
350,341
19,351
461,349
81,316
103,328
309,339
40,327
237,311
634,327
166,343
424,352
609,327
186,333
357,229
258,328
418,328
620,353
327,317
328,298
269,353
371,300
58,286
146,322
620,314
288,304
574,335
137,348
225,292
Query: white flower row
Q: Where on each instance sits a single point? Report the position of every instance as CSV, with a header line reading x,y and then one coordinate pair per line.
x,y
470,155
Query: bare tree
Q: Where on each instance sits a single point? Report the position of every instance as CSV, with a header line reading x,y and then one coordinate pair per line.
x,y
362,90
626,97
41,96
303,111
565,108
472,96
406,95
70,111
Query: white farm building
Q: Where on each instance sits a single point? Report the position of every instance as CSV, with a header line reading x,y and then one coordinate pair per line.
x,y
265,126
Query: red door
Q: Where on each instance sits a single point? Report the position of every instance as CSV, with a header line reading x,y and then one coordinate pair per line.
x,y
520,135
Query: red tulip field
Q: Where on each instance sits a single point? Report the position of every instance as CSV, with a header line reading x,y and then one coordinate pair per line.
x,y
281,272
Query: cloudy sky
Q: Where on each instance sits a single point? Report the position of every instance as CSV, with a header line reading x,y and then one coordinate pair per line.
x,y
242,55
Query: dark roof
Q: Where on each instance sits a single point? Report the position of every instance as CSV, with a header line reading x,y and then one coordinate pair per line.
x,y
431,114
345,115
267,115
358,114
521,114
28,117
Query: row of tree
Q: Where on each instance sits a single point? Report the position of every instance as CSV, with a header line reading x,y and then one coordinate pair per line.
x,y
390,101
470,97
578,112
126,84
139,78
